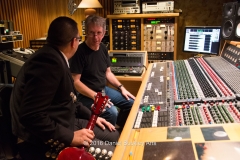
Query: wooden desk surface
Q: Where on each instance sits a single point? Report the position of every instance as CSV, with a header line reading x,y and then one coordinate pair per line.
x,y
138,140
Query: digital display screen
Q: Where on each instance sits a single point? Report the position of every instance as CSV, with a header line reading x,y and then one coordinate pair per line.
x,y
202,39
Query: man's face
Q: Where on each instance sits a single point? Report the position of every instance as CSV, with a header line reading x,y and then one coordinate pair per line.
x,y
95,35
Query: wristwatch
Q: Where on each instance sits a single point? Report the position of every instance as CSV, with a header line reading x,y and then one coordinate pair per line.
x,y
119,87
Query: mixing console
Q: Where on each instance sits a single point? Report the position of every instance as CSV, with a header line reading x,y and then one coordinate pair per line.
x,y
196,91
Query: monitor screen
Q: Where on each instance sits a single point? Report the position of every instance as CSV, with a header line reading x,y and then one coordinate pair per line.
x,y
202,39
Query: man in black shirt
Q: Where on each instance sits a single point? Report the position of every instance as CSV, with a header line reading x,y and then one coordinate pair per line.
x,y
90,67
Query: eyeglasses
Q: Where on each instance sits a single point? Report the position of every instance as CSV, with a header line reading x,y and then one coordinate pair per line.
x,y
93,34
78,38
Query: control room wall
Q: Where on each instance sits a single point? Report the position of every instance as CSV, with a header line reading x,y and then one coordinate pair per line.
x,y
32,17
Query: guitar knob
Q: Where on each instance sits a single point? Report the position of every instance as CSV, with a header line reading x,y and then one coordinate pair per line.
x,y
97,151
60,146
54,155
54,144
50,141
91,150
48,153
104,151
110,153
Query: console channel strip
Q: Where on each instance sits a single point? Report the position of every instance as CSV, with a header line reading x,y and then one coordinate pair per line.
x,y
155,109
159,38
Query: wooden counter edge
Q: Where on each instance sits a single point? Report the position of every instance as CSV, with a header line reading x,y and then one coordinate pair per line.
x,y
119,150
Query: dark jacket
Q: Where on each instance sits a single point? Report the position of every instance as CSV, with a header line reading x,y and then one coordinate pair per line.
x,y
41,105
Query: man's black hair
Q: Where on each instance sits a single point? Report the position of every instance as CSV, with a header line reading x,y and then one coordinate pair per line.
x,y
61,31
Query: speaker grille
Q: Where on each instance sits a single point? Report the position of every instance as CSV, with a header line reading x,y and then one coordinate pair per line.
x,y
229,10
231,21
227,29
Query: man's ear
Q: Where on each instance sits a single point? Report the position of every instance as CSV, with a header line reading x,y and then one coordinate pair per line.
x,y
72,42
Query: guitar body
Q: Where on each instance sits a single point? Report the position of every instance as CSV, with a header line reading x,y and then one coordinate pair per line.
x,y
75,153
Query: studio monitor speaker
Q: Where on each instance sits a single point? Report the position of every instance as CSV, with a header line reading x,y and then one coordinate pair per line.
x,y
231,21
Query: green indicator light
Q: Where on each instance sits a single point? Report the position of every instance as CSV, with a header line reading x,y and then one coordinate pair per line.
x,y
114,60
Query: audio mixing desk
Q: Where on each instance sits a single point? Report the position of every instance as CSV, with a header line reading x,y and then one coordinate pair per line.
x,y
186,110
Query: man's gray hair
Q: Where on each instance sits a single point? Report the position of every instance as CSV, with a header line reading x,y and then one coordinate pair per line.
x,y
97,20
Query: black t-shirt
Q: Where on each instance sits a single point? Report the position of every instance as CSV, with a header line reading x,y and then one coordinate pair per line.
x,y
92,66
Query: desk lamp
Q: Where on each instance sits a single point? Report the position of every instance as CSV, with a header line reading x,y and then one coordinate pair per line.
x,y
89,5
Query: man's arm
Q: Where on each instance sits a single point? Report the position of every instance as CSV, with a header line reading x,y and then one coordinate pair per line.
x,y
81,87
114,81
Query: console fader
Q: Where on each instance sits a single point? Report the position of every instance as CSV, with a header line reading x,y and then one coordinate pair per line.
x,y
159,38
196,91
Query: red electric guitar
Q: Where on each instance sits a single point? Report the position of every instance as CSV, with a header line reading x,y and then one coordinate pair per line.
x,y
80,153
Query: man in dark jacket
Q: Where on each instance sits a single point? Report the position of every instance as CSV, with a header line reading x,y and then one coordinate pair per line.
x,y
45,114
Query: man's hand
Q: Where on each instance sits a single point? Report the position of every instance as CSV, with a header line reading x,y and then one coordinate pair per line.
x,y
82,137
101,122
109,103
126,94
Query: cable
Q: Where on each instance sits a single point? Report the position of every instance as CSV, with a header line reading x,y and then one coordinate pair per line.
x,y
145,67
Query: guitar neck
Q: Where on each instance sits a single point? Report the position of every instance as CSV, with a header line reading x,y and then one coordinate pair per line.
x,y
92,122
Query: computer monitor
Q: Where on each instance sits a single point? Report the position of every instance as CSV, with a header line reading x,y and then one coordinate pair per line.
x,y
202,39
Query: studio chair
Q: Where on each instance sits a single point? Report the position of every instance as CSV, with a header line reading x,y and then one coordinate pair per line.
x,y
8,147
